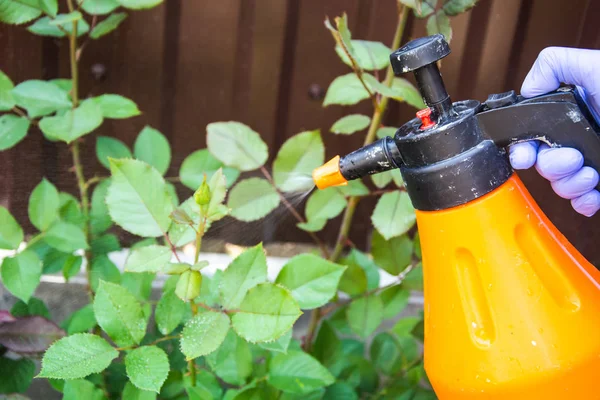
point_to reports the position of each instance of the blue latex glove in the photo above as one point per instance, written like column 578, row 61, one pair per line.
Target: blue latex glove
column 563, row 167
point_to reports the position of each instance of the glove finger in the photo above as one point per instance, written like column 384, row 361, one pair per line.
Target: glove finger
column 523, row 155
column 577, row 184
column 587, row 204
column 554, row 163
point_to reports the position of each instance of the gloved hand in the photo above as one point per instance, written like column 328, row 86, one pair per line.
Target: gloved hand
column 563, row 167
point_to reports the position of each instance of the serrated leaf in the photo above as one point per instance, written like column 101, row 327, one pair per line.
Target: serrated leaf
column 392, row 255
column 175, row 268
column 394, row 214
column 81, row 389
column 148, row 259
column 313, row 225
column 117, row 107
column 66, row 237
column 245, row 271
column 137, row 199
column 105, row 244
column 99, row 7
column 50, row 7
column 99, row 217
column 16, row 375
column 7, row 101
column 43, row 205
column 66, row 85
column 202, row 162
column 81, row 320
column 405, row 91
column 73, row 124
column 181, row 235
column 353, row 188
column 327, row 346
column 119, row 314
column 312, row 279
column 33, row 307
column 29, row 334
column 11, row 233
column 252, row 199
column 350, row 123
column 203, row 334
column 180, row 216
column 325, row 204
column 13, row 129
column 232, row 361
column 188, row 285
column 405, row 326
column 296, row 160
column 395, row 299
column 368, row 55
column 153, row 148
column 139, row 4
column 147, row 367
column 138, row 284
column 297, row 372
column 365, row 315
column 169, row 312
column 455, row 7
column 386, row 131
column 280, row 345
column 439, row 23
column 40, row 97
column 266, row 313
column 70, row 210
column 71, row 267
column 77, row 356
column 45, row 27
column 17, row 13
column 63, row 19
column 354, row 281
column 104, row 28
column 21, row 274
column 236, row 145
column 130, row 392
column 385, row 353
column 421, row 8
column 103, row 269
column 345, row 90
column 382, row 179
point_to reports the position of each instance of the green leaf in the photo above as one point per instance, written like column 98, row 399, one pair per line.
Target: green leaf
column 16, row 375
column 11, row 233
column 207, row 387
column 99, row 7
column 386, row 131
column 40, row 97
column 312, row 280
column 105, row 244
column 82, row 320
column 408, row 93
column 296, row 160
column 395, row 300
column 105, row 270
column 81, row 389
column 325, row 204
column 117, row 107
column 202, row 162
column 236, row 145
column 394, row 214
column 32, row 307
column 70, row 210
column 421, row 8
column 66, row 85
column 50, row 7
column 137, row 199
column 385, row 353
column 43, row 205
column 7, row 101
column 409, row 350
column 63, row 19
column 354, row 281
column 280, row 345
column 392, row 255
column 345, row 90
column 169, row 312
column 365, row 315
column 147, row 367
column 313, row 225
column 266, row 313
column 138, row 284
column 72, row 267
column 350, row 123
column 252, row 199
column 439, row 23
column 188, row 285
column 45, row 27
column 176, row 268
column 367, row 54
column 405, row 326
column 417, row 245
column 203, row 334
column 133, row 393
column 99, row 217
column 297, row 372
column 119, row 314
column 139, row 4
column 382, row 179
column 327, row 347
column 17, row 13
column 455, row 7
column 21, row 274
column 13, row 129
column 232, row 361
column 153, row 148
column 148, row 259
column 66, row 237
column 104, row 28
column 73, row 124
column 353, row 188
column 77, row 356
column 245, row 271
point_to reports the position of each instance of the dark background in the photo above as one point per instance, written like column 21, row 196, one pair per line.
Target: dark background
column 268, row 63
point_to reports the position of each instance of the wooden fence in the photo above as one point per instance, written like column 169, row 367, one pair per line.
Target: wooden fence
column 268, row 63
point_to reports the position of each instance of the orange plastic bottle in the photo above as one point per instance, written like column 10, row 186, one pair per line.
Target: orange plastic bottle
column 512, row 309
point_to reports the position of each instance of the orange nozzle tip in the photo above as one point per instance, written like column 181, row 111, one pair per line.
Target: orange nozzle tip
column 329, row 174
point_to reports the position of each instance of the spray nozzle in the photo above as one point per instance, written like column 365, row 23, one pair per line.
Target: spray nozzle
column 379, row 156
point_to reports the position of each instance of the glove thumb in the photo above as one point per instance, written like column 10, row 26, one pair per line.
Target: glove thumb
column 556, row 65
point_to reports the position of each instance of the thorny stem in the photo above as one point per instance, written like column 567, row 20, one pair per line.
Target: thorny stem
column 94, row 180
column 294, row 212
column 171, row 246
column 371, row 134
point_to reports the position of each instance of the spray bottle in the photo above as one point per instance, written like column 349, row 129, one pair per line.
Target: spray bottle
column 512, row 309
